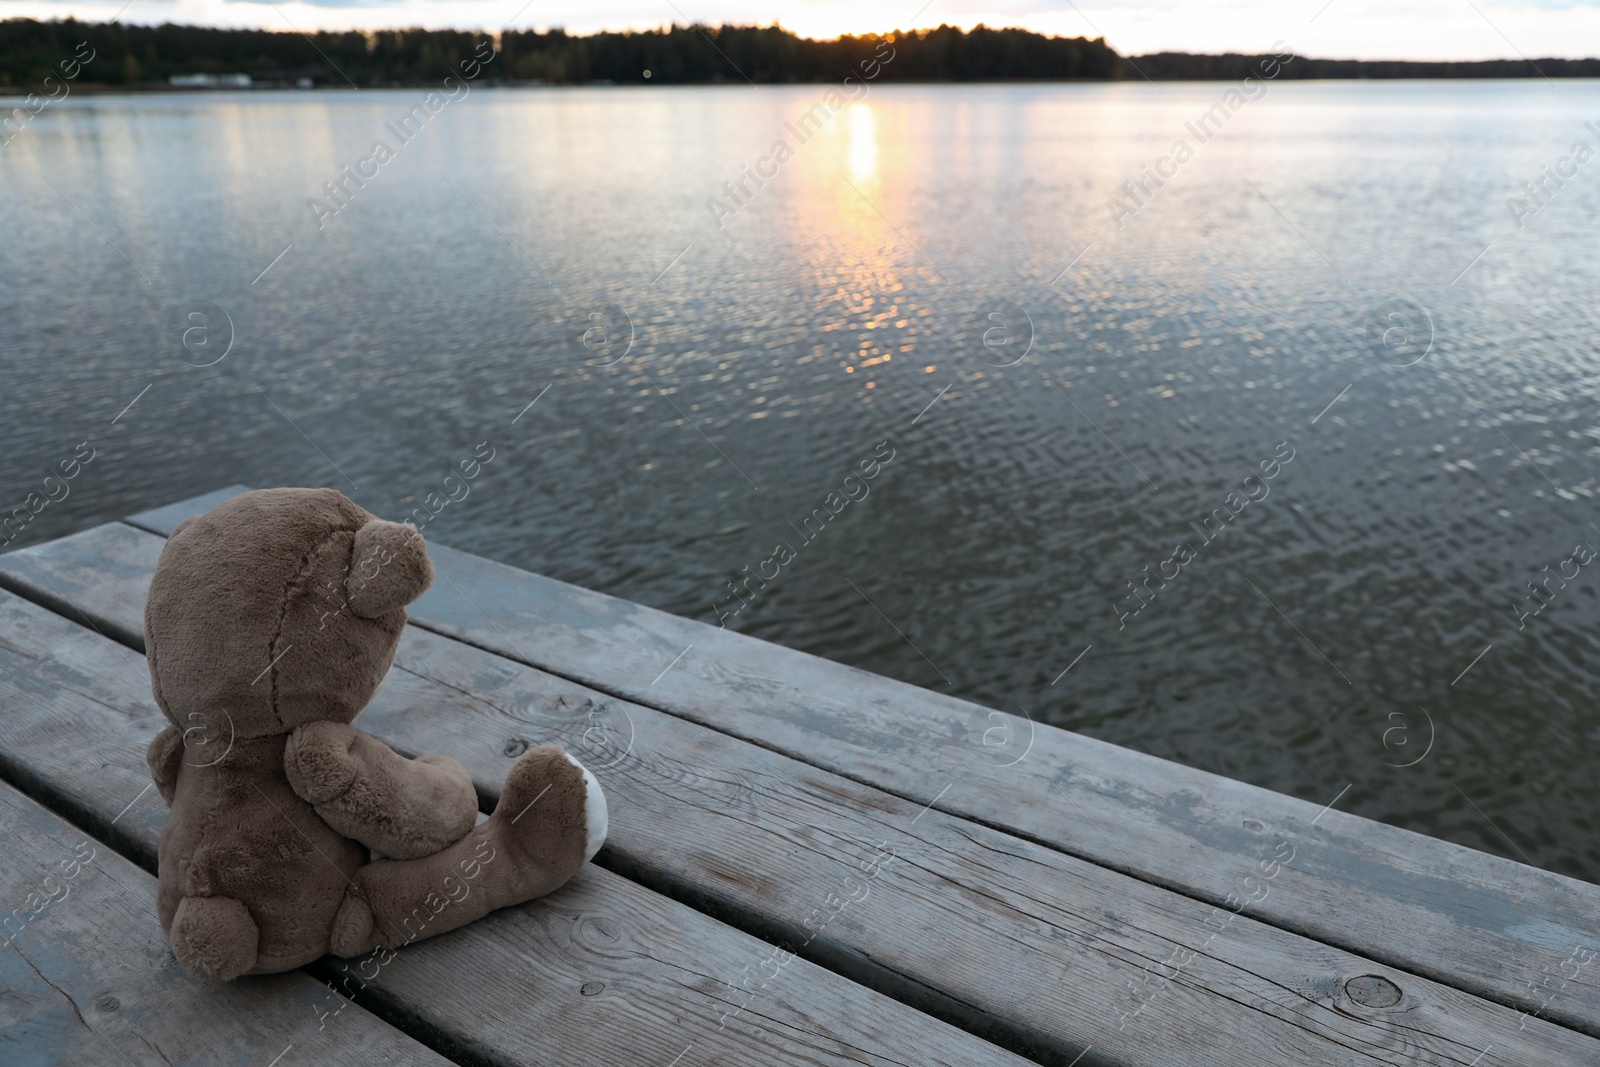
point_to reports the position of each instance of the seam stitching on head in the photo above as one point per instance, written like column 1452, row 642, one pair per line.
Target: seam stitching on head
column 283, row 613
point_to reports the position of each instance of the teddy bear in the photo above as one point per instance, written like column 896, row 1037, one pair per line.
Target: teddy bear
column 271, row 620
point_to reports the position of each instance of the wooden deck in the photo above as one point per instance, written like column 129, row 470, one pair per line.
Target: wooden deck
column 956, row 886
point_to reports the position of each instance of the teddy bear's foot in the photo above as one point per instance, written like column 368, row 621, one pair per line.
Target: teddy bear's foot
column 543, row 807
column 214, row 938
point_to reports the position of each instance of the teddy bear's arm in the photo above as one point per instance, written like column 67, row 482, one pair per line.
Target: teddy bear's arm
column 398, row 807
column 165, row 756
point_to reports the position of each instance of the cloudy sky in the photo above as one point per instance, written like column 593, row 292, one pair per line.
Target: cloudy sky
column 1414, row 29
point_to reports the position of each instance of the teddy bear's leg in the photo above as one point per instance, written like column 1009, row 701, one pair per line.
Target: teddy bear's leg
column 550, row 821
column 213, row 937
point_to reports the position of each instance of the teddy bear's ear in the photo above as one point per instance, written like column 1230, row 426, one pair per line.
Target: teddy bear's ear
column 389, row 568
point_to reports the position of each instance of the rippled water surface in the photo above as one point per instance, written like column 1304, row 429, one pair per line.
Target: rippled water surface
column 939, row 268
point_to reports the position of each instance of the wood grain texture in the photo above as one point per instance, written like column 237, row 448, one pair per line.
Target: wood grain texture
column 1043, row 951
column 602, row 971
column 88, row 980
column 1487, row 925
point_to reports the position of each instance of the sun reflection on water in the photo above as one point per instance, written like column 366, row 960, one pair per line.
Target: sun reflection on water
column 863, row 148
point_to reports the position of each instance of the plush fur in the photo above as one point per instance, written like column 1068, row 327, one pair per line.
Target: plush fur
column 271, row 621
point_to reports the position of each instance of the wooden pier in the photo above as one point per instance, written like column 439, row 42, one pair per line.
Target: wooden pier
column 807, row 864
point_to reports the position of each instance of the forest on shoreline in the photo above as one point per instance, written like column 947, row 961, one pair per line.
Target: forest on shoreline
column 146, row 57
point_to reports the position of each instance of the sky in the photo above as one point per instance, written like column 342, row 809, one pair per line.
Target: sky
column 1345, row 29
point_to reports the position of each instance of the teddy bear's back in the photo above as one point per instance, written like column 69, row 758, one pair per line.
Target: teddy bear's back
column 236, row 829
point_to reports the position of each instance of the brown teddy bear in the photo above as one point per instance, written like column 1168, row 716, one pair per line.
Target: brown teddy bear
column 272, row 619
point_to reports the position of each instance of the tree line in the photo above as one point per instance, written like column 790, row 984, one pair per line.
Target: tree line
column 696, row 54
column 131, row 56
column 1184, row 66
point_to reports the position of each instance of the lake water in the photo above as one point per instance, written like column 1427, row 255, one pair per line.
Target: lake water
column 705, row 378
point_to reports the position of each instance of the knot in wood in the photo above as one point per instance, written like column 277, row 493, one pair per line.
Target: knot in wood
column 1373, row 991
column 107, row 1002
column 514, row 747
column 591, row 988
column 604, row 935
column 580, row 705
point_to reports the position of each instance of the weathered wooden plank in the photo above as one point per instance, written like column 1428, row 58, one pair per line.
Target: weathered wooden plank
column 602, row 971
column 1084, row 955
column 161, row 520
column 1500, row 929
column 87, row 978
column 971, row 921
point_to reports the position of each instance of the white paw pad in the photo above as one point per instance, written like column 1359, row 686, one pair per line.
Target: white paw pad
column 594, row 810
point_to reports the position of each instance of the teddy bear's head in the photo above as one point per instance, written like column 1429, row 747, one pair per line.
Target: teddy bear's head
column 276, row 608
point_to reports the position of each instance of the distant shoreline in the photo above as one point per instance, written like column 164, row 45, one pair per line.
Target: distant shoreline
column 15, row 93
column 138, row 58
